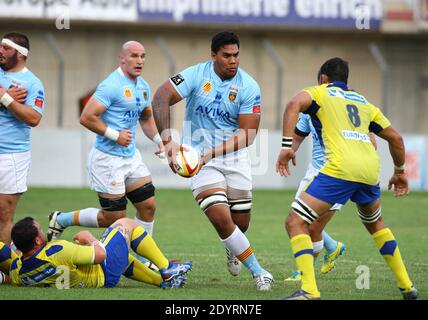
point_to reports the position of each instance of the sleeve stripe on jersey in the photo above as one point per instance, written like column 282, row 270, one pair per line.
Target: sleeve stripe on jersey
column 313, row 108
column 301, row 133
column 375, row 127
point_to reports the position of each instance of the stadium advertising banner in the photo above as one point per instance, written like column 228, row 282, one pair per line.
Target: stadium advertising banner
column 109, row 10
column 360, row 14
column 416, row 157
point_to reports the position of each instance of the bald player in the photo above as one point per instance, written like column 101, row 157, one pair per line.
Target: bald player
column 115, row 167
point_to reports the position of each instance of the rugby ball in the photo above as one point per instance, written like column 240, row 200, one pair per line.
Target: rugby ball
column 187, row 161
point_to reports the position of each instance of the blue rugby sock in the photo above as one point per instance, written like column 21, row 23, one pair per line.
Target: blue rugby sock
column 329, row 243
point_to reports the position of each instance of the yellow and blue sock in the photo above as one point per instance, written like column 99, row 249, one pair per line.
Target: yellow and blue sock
column 388, row 248
column 138, row 271
column 304, row 255
column 144, row 245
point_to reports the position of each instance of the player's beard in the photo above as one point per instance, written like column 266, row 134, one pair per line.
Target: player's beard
column 10, row 63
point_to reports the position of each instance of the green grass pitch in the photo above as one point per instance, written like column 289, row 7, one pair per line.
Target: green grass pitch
column 183, row 232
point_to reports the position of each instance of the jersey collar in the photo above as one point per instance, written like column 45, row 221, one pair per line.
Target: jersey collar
column 23, row 70
column 341, row 85
column 123, row 75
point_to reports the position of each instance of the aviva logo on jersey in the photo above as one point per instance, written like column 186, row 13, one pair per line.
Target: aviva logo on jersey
column 131, row 115
column 214, row 113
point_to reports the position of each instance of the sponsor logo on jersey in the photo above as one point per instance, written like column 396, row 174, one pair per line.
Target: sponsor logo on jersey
column 213, row 112
column 206, row 88
column 132, row 115
column 127, row 93
column 145, row 95
column 33, row 279
column 39, row 102
column 256, row 108
column 355, row 135
column 233, row 93
column 177, row 79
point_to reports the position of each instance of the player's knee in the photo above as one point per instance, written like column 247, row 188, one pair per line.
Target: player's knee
column 126, row 223
column 149, row 205
column 107, row 218
column 142, row 193
column 242, row 223
column 214, row 199
column 125, row 220
column 315, row 229
column 6, row 208
column 292, row 221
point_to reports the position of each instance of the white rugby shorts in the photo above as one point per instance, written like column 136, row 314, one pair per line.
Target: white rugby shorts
column 14, row 170
column 230, row 172
column 311, row 173
column 110, row 174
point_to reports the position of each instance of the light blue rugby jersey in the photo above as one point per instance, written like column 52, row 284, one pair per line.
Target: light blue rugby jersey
column 213, row 105
column 14, row 133
column 124, row 100
column 304, row 125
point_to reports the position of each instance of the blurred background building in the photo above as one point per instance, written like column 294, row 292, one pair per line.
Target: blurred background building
column 75, row 44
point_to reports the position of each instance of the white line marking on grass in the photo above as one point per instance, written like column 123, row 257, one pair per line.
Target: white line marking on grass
column 340, row 260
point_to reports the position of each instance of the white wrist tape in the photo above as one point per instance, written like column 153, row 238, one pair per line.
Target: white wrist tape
column 99, row 244
column 286, row 142
column 6, row 100
column 2, row 277
column 157, row 139
column 399, row 167
column 111, row 134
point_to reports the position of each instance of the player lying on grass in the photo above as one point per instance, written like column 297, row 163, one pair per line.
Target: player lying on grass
column 91, row 263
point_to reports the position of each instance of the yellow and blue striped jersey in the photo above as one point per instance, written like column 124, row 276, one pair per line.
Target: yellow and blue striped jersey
column 343, row 120
column 50, row 262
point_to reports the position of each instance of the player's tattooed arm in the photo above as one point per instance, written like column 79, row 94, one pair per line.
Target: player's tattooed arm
column 164, row 97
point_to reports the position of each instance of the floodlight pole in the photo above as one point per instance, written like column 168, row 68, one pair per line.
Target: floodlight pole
column 276, row 59
column 53, row 44
column 384, row 67
column 166, row 51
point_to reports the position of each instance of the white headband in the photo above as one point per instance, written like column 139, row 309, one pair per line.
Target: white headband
column 20, row 49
